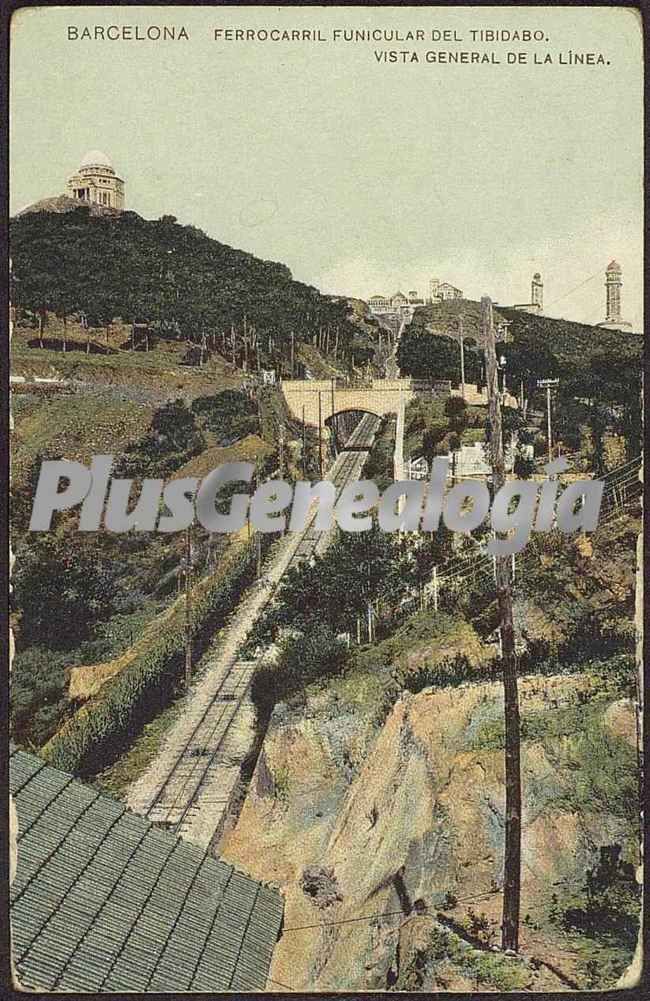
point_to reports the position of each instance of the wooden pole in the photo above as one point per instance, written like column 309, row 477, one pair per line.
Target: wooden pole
column 548, row 424
column 512, row 853
column 293, row 353
column 320, row 436
column 304, row 444
column 462, row 357
column 188, row 607
column 435, row 588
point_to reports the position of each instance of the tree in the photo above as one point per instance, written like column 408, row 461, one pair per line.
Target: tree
column 229, row 414
column 428, row 356
column 172, row 439
column 529, row 359
column 64, row 587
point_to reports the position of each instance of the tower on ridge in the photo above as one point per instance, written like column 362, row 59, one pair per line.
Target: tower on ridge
column 613, row 284
column 536, row 304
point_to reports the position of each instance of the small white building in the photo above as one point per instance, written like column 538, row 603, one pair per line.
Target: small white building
column 440, row 291
column 474, row 461
column 418, row 469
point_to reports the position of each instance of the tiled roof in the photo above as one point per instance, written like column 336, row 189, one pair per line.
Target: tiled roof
column 105, row 901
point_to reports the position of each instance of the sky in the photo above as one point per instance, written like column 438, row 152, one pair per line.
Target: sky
column 362, row 176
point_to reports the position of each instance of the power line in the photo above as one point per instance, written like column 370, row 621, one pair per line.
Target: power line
column 565, row 295
column 280, row 984
column 346, row 921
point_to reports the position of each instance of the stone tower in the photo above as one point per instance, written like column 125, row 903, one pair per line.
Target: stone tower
column 613, row 283
column 96, row 181
column 537, row 291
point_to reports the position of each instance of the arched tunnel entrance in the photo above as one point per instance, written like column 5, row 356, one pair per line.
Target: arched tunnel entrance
column 341, row 426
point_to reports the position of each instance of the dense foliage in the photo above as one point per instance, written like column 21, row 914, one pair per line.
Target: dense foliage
column 302, row 659
column 173, row 438
column 63, row 590
column 599, row 370
column 427, row 356
column 229, row 415
column 175, row 279
column 332, row 589
column 102, row 730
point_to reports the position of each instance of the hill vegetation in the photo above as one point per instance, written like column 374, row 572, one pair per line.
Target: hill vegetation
column 176, row 284
column 599, row 370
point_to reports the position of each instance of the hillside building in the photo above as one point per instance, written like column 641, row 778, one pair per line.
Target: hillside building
column 96, row 181
column 440, row 291
column 395, row 305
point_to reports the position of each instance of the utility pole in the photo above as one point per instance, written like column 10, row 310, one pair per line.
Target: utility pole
column 293, row 353
column 548, row 383
column 188, row 607
column 334, row 429
column 512, row 855
column 320, row 436
column 281, row 451
column 304, row 444
column 462, row 357
column 258, row 536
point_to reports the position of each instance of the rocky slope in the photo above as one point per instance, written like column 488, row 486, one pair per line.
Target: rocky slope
column 405, row 820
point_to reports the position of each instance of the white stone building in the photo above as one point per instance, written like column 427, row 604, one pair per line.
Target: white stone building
column 96, row 181
column 396, row 304
column 439, row 291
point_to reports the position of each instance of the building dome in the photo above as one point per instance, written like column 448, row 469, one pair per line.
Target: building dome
column 95, row 158
column 614, row 266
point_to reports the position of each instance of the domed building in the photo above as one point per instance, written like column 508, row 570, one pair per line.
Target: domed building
column 96, row 181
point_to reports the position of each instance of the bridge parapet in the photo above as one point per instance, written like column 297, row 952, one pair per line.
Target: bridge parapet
column 312, row 400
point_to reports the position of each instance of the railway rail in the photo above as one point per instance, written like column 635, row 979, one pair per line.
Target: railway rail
column 202, row 769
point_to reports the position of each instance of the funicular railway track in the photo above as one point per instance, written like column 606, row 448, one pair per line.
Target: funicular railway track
column 194, row 782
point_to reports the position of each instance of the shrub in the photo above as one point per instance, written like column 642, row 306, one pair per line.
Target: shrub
column 172, row 439
column 38, row 694
column 608, row 903
column 302, row 660
column 100, row 731
column 64, row 587
column 229, row 415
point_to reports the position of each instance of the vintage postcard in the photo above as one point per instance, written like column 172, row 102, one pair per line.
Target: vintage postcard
column 326, row 342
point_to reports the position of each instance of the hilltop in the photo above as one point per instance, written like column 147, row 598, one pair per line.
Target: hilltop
column 63, row 203
column 568, row 339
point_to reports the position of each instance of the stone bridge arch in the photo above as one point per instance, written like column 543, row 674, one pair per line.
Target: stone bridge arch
column 316, row 401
